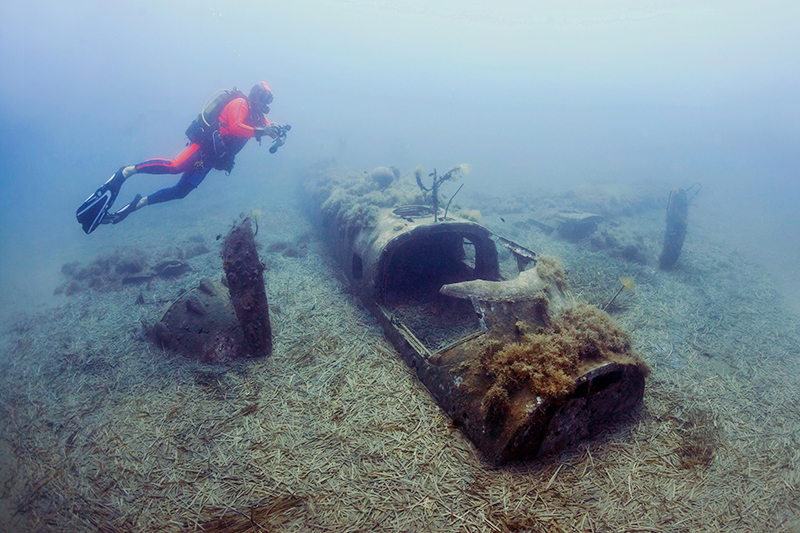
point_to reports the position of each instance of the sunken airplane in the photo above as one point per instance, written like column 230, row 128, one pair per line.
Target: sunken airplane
column 521, row 368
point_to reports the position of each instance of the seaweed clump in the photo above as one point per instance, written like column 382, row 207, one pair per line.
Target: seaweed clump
column 699, row 439
column 551, row 269
column 450, row 175
column 547, row 361
column 350, row 200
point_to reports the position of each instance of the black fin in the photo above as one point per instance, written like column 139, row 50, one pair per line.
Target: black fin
column 122, row 214
column 94, row 209
column 91, row 213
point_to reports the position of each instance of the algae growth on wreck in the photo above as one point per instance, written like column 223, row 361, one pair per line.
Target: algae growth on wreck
column 546, row 360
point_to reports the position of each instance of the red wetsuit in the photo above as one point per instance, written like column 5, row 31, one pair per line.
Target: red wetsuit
column 235, row 120
column 236, row 126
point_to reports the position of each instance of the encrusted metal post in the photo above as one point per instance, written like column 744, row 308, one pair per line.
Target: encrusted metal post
column 244, row 272
column 677, row 213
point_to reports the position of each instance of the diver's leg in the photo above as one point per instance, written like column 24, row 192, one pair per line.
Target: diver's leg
column 188, row 182
column 190, row 161
column 184, row 162
column 178, row 191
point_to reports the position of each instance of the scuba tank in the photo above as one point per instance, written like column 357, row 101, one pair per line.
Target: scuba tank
column 207, row 122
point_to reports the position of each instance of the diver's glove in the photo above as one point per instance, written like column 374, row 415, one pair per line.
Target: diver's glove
column 273, row 130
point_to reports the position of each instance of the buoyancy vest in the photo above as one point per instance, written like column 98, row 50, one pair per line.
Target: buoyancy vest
column 202, row 128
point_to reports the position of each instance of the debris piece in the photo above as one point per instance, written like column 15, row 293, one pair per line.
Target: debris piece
column 244, row 272
column 171, row 269
column 677, row 213
column 196, row 306
column 202, row 325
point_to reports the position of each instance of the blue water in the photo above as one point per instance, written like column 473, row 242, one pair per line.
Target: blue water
column 539, row 96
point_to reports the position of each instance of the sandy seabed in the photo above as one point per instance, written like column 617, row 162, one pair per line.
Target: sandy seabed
column 102, row 431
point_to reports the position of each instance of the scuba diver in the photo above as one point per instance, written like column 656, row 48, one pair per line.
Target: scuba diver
column 215, row 137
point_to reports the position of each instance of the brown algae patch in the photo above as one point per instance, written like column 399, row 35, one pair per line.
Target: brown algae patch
column 547, row 360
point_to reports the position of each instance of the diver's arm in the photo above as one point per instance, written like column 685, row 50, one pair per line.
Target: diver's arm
column 237, row 115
